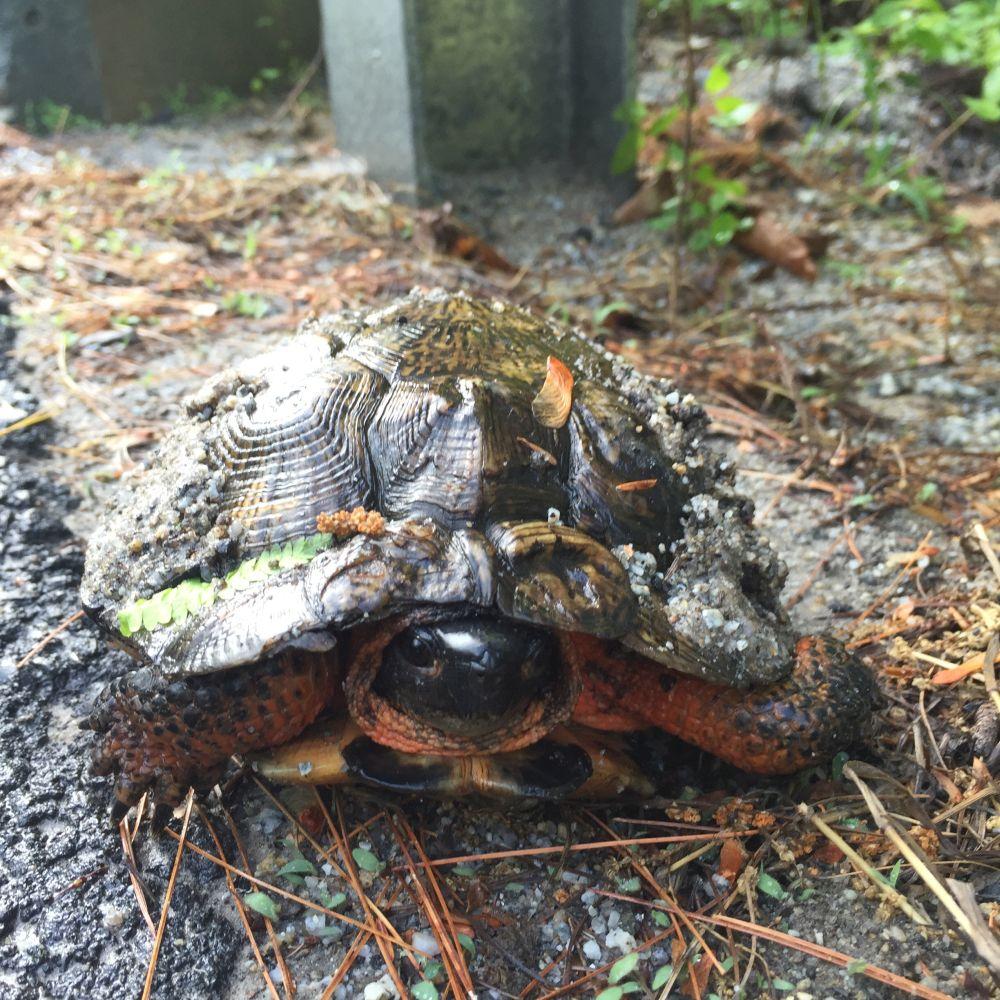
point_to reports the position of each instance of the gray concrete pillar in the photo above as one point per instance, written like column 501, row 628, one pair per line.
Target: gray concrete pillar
column 424, row 88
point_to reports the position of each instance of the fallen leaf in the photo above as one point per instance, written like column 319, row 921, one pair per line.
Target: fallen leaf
column 953, row 674
column 646, row 202
column 769, row 121
column 555, row 399
column 828, row 853
column 979, row 213
column 453, row 237
column 696, row 984
column 732, row 858
column 773, row 241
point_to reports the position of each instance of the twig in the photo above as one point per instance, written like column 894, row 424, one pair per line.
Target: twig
column 296, row 92
column 165, row 909
column 684, row 189
column 43, row 642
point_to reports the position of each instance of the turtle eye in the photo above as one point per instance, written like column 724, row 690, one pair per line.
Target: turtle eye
column 418, row 649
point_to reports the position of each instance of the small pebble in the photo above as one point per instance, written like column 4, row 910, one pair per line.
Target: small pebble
column 619, row 939
column 426, row 942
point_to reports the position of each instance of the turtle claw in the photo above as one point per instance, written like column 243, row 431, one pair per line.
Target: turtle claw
column 161, row 816
column 119, row 810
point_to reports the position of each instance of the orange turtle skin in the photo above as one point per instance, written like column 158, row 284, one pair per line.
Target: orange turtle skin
column 778, row 728
column 163, row 736
column 183, row 733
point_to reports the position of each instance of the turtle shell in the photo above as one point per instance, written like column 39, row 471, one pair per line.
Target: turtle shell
column 592, row 507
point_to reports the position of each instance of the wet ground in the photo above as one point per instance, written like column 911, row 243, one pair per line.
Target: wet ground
column 901, row 347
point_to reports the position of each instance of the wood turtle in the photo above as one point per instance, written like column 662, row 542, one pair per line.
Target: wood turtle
column 446, row 546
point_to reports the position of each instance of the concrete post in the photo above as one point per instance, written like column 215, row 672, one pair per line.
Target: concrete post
column 424, row 88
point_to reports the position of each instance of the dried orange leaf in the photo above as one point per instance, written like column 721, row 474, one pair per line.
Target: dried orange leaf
column 953, row 674
column 772, row 240
column 636, row 484
column 555, row 399
column 732, row 858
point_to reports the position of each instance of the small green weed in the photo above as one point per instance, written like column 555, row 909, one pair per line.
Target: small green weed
column 241, row 303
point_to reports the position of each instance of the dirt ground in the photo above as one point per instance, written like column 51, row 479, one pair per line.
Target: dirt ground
column 862, row 410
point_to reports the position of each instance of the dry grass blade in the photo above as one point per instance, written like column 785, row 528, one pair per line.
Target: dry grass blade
column 647, row 876
column 316, row 845
column 368, row 905
column 568, row 989
column 984, row 543
column 820, row 951
column 980, row 936
column 989, row 669
column 133, row 869
column 147, row 988
column 46, row 639
column 279, row 955
column 449, row 937
column 32, row 418
column 886, row 890
column 595, row 845
column 240, row 908
column 360, row 940
column 278, row 891
column 343, row 840
column 915, row 556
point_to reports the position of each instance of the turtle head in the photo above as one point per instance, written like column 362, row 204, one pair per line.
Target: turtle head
column 467, row 676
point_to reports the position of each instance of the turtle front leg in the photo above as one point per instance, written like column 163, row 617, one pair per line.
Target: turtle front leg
column 824, row 705
column 165, row 734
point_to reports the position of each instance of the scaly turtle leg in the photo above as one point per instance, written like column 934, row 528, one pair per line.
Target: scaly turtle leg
column 824, row 705
column 168, row 734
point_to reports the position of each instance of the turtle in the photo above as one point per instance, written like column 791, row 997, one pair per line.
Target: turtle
column 447, row 547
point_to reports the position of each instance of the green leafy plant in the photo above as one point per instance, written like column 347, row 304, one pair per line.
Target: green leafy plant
column 960, row 34
column 262, row 903
column 173, row 604
column 709, row 205
column 367, row 861
column 241, row 303
column 46, row 117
